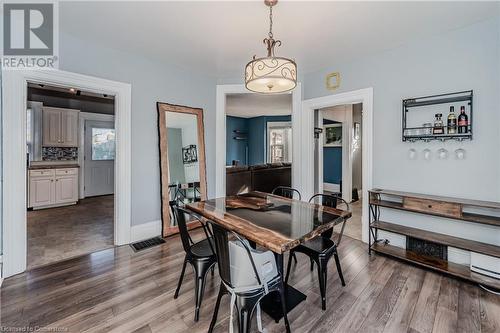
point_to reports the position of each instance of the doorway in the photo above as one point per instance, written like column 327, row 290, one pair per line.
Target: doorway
column 259, row 143
column 338, row 158
column 61, row 223
column 223, row 91
column 308, row 126
column 14, row 198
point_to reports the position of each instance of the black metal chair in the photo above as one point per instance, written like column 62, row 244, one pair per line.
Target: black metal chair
column 286, row 192
column 322, row 248
column 200, row 255
column 246, row 300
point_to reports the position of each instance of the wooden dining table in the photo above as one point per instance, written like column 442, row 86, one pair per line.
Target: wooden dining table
column 274, row 223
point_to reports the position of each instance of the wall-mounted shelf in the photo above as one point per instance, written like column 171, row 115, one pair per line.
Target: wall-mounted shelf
column 412, row 133
column 239, row 135
column 450, row 208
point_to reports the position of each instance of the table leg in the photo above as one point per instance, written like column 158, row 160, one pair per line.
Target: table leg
column 271, row 304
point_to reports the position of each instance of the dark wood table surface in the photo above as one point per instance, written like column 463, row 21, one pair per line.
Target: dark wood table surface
column 275, row 223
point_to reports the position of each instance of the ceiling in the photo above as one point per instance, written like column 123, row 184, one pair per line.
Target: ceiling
column 218, row 38
column 256, row 105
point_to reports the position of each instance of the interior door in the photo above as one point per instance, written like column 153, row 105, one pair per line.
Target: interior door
column 99, row 158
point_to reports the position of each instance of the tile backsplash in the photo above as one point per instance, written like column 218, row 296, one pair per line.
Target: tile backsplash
column 59, row 153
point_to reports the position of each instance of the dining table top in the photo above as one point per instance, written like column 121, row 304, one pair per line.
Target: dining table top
column 273, row 222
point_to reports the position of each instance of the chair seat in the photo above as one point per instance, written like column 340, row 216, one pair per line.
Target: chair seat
column 202, row 249
column 318, row 244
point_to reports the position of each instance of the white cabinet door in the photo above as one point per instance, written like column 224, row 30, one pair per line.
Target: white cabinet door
column 51, row 127
column 60, row 127
column 66, row 189
column 41, row 191
column 69, row 128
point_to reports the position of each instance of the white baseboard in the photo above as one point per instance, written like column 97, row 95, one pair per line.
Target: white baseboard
column 144, row 231
column 331, row 187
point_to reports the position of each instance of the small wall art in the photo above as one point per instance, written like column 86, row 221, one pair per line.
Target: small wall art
column 189, row 154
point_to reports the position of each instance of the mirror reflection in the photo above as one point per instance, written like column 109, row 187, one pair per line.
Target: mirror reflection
column 183, row 164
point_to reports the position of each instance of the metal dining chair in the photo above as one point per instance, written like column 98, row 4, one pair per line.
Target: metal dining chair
column 247, row 275
column 200, row 255
column 322, row 248
column 286, row 192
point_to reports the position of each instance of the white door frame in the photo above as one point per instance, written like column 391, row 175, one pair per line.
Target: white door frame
column 14, row 95
column 220, row 136
column 364, row 96
column 84, row 116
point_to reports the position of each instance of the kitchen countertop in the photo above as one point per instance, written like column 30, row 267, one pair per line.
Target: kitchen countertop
column 53, row 166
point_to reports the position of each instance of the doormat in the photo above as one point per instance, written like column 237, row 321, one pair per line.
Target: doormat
column 145, row 244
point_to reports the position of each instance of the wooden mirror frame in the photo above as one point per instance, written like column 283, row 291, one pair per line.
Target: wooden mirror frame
column 163, row 108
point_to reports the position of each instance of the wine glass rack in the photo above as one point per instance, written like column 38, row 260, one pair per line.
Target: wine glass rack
column 412, row 134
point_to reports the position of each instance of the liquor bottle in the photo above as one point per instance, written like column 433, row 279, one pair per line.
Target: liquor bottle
column 463, row 121
column 438, row 125
column 452, row 121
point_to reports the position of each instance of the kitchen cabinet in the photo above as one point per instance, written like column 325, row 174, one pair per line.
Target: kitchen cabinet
column 60, row 127
column 53, row 187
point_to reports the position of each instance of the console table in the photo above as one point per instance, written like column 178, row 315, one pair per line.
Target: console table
column 446, row 207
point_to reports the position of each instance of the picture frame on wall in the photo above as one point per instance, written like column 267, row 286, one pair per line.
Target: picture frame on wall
column 332, row 135
column 189, row 154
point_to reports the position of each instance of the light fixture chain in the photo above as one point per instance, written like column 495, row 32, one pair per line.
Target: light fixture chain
column 270, row 21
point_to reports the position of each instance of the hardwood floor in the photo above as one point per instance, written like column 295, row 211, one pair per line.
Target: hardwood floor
column 117, row 290
column 353, row 227
column 60, row 233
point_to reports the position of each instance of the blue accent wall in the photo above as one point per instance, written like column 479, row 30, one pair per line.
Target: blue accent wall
column 332, row 165
column 256, row 128
column 332, row 161
column 236, row 149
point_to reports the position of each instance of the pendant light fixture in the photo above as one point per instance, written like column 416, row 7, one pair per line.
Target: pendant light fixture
column 271, row 74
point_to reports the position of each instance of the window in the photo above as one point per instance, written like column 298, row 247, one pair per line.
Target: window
column 103, row 144
column 279, row 142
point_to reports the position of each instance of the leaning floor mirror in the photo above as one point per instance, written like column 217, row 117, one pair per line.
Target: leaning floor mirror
column 182, row 160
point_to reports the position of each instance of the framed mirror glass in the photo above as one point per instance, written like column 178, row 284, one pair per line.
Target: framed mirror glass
column 182, row 160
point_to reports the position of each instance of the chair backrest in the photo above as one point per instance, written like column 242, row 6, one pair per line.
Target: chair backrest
column 180, row 218
column 325, row 200
column 222, row 251
column 287, row 192
column 332, row 201
column 260, row 265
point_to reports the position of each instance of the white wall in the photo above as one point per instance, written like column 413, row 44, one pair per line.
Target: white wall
column 464, row 59
column 151, row 81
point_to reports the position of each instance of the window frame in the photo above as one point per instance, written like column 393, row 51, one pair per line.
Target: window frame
column 92, row 144
column 287, row 148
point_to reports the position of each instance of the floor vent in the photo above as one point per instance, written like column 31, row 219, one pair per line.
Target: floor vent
column 427, row 248
column 145, row 244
